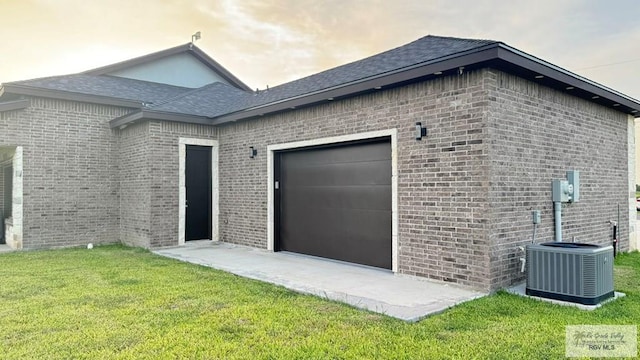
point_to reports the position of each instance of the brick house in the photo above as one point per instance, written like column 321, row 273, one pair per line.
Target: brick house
column 171, row 147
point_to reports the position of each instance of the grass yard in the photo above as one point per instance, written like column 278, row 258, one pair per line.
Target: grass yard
column 115, row 302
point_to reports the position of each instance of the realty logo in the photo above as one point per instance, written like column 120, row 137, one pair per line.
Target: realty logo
column 601, row 341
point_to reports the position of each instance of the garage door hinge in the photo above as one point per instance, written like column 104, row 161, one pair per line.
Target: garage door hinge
column 277, row 185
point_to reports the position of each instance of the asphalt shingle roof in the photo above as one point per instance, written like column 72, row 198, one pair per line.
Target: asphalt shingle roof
column 110, row 86
column 210, row 100
column 220, row 100
column 423, row 50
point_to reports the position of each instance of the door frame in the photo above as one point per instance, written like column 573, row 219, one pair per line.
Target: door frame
column 271, row 153
column 182, row 189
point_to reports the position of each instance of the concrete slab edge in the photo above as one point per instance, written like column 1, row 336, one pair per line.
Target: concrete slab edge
column 520, row 291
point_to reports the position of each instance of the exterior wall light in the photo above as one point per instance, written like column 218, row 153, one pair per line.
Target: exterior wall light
column 253, row 152
column 420, row 131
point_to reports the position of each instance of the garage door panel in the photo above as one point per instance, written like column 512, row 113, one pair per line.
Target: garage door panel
column 335, row 202
column 347, row 222
column 354, row 236
column 342, row 174
column 338, row 154
column 353, row 197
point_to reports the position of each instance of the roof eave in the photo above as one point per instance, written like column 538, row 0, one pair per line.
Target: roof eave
column 570, row 80
column 71, row 96
column 136, row 61
column 14, row 105
column 145, row 115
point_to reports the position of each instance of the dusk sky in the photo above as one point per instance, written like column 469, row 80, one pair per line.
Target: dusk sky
column 269, row 42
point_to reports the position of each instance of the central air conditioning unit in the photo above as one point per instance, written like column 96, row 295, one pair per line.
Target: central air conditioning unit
column 580, row 273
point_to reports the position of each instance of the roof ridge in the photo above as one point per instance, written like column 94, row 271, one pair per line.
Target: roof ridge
column 455, row 38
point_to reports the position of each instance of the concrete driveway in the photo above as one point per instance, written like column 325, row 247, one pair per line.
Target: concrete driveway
column 403, row 297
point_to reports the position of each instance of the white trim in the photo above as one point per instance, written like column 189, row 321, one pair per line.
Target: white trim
column 15, row 233
column 182, row 191
column 393, row 133
column 631, row 208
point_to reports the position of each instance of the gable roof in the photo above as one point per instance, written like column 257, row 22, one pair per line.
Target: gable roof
column 189, row 48
column 218, row 103
column 425, row 58
column 229, row 102
column 97, row 86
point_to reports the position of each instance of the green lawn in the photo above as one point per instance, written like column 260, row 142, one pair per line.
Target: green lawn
column 117, row 302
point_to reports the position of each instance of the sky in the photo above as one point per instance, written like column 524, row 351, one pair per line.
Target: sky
column 269, row 42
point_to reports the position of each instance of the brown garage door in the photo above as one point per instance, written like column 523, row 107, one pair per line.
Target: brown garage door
column 335, row 202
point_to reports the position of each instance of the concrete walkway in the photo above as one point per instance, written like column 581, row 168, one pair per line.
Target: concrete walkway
column 403, row 297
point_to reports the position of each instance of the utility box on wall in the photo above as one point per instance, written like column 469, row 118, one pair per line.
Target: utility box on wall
column 573, row 178
column 580, row 273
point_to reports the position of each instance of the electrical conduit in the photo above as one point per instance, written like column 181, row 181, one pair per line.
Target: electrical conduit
column 557, row 212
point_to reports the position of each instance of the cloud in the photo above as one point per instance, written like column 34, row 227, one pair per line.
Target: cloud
column 273, row 41
column 256, row 44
